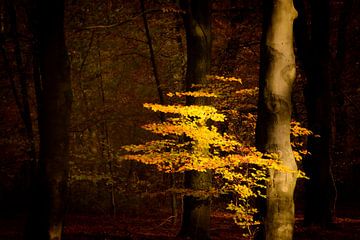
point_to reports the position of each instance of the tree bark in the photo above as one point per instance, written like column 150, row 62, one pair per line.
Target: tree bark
column 46, row 218
column 277, row 74
column 196, row 209
column 341, row 115
column 152, row 59
column 25, row 105
column 314, row 55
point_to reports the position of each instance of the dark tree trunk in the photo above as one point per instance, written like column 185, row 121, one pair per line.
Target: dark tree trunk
column 314, row 55
column 104, row 138
column 152, row 59
column 196, row 209
column 227, row 59
column 160, row 95
column 10, row 75
column 277, row 74
column 46, row 217
column 24, row 102
column 341, row 116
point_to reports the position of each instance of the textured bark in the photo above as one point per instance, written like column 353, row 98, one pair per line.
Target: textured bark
column 196, row 209
column 273, row 126
column 45, row 221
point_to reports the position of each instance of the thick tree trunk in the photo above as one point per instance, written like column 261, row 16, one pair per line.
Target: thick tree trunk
column 314, row 54
column 196, row 209
column 47, row 215
column 273, row 125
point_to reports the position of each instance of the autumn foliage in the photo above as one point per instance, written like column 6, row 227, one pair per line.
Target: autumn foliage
column 194, row 138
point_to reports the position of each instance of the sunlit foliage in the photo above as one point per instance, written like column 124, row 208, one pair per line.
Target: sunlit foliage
column 217, row 138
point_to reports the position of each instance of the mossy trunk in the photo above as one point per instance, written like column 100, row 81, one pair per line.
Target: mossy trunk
column 196, row 208
column 273, row 125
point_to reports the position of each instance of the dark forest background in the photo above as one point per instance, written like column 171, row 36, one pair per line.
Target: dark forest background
column 113, row 73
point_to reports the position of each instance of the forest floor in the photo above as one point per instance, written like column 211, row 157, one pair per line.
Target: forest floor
column 156, row 227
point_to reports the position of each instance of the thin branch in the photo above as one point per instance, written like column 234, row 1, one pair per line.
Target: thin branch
column 249, row 44
column 152, row 58
column 133, row 39
column 233, row 10
column 82, row 65
column 351, row 102
column 103, row 27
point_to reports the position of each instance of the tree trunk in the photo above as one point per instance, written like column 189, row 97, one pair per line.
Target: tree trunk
column 24, row 103
column 277, row 75
column 161, row 98
column 341, row 117
column 196, row 209
column 315, row 57
column 47, row 215
column 104, row 138
column 152, row 59
column 227, row 59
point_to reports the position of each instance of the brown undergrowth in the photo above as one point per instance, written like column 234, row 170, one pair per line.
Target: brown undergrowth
column 159, row 226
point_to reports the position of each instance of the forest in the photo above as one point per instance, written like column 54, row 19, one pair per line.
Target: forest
column 179, row 119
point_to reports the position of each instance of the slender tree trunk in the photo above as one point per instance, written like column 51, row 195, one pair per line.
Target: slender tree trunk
column 227, row 60
column 104, row 142
column 274, row 114
column 341, row 116
column 196, row 209
column 161, row 96
column 25, row 105
column 152, row 59
column 46, row 219
column 10, row 75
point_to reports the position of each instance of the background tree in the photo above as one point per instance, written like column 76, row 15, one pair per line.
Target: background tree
column 277, row 74
column 22, row 99
column 196, row 209
column 46, row 217
column 112, row 78
column 314, row 54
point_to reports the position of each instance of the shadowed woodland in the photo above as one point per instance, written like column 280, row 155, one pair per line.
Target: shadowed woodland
column 186, row 119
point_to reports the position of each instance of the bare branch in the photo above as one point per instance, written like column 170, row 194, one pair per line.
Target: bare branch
column 103, row 27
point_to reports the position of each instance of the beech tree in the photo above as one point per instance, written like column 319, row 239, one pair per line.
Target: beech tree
column 314, row 54
column 196, row 209
column 277, row 74
column 46, row 217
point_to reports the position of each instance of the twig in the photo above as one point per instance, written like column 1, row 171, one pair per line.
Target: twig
column 352, row 102
column 164, row 222
column 102, row 27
